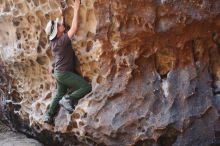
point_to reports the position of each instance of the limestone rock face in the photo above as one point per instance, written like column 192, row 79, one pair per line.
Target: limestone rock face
column 153, row 64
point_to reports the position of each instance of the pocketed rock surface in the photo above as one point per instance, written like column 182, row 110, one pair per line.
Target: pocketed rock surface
column 153, row 64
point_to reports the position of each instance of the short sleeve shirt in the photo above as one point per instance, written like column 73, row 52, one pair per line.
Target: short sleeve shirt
column 63, row 53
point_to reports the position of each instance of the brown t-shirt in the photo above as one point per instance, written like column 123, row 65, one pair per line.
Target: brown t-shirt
column 63, row 53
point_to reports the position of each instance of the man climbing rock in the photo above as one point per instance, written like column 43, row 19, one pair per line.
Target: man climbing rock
column 60, row 43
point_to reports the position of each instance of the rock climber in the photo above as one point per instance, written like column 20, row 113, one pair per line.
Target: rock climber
column 60, row 43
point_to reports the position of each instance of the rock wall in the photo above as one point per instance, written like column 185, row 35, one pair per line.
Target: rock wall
column 9, row 138
column 154, row 68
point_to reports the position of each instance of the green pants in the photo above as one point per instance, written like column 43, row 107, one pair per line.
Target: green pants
column 65, row 80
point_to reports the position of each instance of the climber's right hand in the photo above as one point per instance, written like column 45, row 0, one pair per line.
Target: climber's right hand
column 76, row 4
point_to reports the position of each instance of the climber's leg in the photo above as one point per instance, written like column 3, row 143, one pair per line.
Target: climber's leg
column 60, row 92
column 82, row 87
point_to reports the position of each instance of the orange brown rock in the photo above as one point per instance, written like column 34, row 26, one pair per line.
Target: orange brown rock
column 153, row 64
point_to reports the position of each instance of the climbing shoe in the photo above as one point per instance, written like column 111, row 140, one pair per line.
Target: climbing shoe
column 66, row 104
column 48, row 119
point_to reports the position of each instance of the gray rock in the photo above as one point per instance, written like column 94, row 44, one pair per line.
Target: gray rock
column 10, row 138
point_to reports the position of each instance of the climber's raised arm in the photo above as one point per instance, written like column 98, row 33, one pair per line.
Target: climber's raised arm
column 62, row 10
column 74, row 24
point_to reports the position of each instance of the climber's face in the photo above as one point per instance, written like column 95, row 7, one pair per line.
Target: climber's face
column 60, row 27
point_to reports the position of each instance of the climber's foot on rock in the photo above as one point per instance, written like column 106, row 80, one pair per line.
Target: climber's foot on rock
column 66, row 104
column 48, row 119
